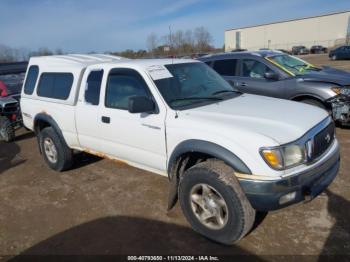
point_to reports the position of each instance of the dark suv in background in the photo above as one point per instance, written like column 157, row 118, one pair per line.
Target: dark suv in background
column 300, row 50
column 318, row 49
column 276, row 74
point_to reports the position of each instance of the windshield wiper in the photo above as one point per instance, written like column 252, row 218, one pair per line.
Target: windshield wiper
column 196, row 98
column 225, row 91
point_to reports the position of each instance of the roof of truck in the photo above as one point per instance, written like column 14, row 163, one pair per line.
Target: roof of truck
column 79, row 60
column 82, row 61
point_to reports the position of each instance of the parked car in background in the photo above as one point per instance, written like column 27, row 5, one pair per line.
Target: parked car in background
column 197, row 55
column 318, row 49
column 276, row 74
column 341, row 52
column 11, row 81
column 284, row 51
column 226, row 154
column 238, row 50
column 300, row 50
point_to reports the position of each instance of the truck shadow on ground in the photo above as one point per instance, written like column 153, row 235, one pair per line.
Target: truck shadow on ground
column 338, row 241
column 83, row 159
column 131, row 236
column 9, row 156
column 24, row 136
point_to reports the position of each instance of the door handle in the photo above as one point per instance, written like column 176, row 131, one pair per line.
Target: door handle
column 106, row 119
column 243, row 84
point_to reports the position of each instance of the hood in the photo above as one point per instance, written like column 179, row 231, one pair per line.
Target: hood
column 281, row 120
column 328, row 74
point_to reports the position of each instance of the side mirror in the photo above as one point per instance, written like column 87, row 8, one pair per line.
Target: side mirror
column 140, row 104
column 271, row 76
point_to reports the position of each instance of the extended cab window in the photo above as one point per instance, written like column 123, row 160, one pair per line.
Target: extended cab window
column 254, row 69
column 32, row 76
column 55, row 85
column 121, row 85
column 93, row 87
column 226, row 67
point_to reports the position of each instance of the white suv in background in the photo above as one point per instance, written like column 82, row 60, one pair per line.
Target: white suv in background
column 226, row 154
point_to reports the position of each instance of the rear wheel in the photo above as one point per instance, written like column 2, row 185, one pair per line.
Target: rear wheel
column 7, row 131
column 214, row 203
column 57, row 155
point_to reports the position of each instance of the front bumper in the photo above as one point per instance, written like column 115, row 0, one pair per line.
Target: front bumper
column 340, row 109
column 265, row 195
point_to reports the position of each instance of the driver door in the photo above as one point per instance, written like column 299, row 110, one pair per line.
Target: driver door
column 138, row 138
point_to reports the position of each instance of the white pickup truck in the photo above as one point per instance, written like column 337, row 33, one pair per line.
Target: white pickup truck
column 227, row 154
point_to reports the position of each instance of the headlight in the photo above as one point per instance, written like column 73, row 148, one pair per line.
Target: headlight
column 284, row 157
column 345, row 91
column 341, row 91
column 336, row 90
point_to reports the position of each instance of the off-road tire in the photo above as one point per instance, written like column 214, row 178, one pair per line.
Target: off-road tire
column 7, row 130
column 221, row 177
column 64, row 153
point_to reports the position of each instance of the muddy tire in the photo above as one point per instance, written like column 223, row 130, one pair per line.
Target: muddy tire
column 214, row 203
column 56, row 153
column 7, row 131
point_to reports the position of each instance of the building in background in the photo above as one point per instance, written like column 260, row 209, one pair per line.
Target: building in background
column 328, row 30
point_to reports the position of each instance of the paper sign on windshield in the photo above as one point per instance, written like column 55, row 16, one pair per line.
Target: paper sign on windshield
column 159, row 72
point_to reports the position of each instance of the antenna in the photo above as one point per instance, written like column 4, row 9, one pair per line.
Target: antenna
column 171, row 45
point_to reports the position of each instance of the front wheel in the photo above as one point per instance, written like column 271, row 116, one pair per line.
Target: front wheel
column 214, row 203
column 334, row 57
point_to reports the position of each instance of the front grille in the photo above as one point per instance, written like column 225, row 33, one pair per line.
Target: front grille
column 323, row 140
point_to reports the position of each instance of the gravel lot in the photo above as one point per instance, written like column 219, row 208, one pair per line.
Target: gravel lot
column 102, row 207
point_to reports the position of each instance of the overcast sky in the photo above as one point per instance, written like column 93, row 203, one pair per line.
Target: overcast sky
column 113, row 25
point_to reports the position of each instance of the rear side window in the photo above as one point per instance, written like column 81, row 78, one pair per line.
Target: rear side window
column 226, row 67
column 55, row 85
column 32, row 76
column 93, row 87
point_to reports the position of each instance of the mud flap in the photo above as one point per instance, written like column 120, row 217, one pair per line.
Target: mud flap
column 173, row 194
column 174, row 182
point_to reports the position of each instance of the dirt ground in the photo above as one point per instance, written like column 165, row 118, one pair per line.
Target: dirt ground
column 100, row 207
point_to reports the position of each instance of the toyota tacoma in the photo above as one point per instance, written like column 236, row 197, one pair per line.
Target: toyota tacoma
column 227, row 155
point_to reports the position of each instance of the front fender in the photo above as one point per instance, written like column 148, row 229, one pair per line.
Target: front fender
column 199, row 146
column 209, row 148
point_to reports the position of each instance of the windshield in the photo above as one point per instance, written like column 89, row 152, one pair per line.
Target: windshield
column 292, row 64
column 193, row 84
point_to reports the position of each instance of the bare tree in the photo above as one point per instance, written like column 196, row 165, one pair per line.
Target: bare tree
column 7, row 54
column 203, row 38
column 152, row 42
column 58, row 51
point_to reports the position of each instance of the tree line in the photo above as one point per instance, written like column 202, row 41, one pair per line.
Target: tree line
column 178, row 43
